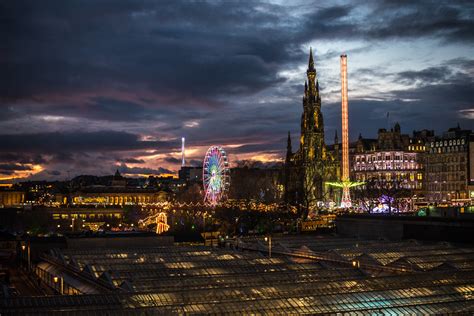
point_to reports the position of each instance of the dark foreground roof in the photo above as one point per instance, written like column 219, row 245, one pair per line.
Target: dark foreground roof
column 305, row 275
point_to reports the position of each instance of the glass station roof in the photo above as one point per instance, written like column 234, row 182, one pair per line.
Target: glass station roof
column 200, row 280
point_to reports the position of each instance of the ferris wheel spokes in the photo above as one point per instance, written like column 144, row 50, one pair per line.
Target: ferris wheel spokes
column 215, row 175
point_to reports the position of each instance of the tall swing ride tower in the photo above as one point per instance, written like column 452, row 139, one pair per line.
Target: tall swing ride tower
column 346, row 196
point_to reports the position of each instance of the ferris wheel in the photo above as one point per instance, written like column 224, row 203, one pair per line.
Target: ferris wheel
column 215, row 175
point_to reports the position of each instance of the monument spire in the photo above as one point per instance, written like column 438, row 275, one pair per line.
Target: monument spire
column 311, row 60
column 288, row 146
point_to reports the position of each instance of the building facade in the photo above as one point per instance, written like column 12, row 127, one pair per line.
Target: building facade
column 190, row 174
column 117, row 196
column 307, row 170
column 392, row 160
column 9, row 198
column 447, row 167
column 117, row 193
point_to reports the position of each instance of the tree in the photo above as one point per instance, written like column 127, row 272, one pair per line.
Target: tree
column 191, row 193
column 312, row 188
column 387, row 192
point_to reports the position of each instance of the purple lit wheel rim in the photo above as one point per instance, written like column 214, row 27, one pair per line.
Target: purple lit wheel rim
column 215, row 175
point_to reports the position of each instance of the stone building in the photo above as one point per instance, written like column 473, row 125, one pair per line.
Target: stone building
column 9, row 198
column 117, row 193
column 118, row 196
column 393, row 159
column 312, row 164
column 447, row 167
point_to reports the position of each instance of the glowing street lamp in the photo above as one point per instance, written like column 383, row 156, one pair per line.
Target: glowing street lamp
column 56, row 279
column 28, row 253
column 269, row 240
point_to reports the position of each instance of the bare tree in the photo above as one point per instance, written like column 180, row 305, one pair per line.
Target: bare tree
column 388, row 192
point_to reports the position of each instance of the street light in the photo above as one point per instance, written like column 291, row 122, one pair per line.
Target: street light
column 23, row 248
column 269, row 240
column 56, row 279
column 204, row 222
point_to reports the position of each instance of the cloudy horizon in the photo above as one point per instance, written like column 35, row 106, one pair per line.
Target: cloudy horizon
column 88, row 87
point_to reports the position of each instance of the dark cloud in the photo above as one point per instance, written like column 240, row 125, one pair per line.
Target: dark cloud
column 54, row 172
column 133, row 160
column 22, row 158
column 173, row 160
column 124, row 169
column 440, row 98
column 426, row 76
column 446, row 20
column 258, row 164
column 194, row 163
column 76, row 142
column 275, row 146
column 13, row 166
column 85, row 85
column 139, row 46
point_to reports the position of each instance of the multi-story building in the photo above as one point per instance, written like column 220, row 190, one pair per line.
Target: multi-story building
column 447, row 166
column 117, row 196
column 391, row 160
column 190, row 174
column 11, row 198
column 117, row 193
column 471, row 169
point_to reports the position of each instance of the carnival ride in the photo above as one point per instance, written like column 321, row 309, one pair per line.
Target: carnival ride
column 215, row 175
column 346, row 186
column 160, row 219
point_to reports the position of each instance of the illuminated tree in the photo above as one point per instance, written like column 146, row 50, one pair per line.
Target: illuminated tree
column 376, row 191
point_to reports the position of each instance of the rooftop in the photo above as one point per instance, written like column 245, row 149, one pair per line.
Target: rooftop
column 305, row 275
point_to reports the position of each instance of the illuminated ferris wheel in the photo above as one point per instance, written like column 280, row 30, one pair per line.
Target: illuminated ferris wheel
column 215, row 175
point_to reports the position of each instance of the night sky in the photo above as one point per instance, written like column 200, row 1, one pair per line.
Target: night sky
column 87, row 87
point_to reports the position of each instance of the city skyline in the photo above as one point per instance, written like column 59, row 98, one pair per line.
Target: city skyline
column 93, row 88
